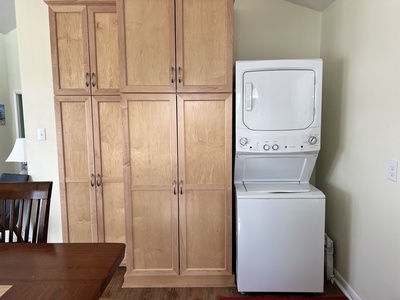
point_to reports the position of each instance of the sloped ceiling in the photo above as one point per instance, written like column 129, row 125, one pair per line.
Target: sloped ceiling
column 319, row 5
column 7, row 11
column 7, row 16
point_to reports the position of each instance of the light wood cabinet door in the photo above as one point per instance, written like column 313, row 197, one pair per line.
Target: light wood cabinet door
column 178, row 189
column 205, row 168
column 202, row 60
column 108, row 157
column 152, row 194
column 204, row 48
column 90, row 167
column 84, row 43
column 147, row 45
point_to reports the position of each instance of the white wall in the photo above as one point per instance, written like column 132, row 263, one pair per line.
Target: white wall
column 9, row 82
column 275, row 29
column 361, row 133
column 37, row 88
column 5, row 139
column 361, row 124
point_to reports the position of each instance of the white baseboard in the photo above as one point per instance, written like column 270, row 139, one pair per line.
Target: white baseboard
column 345, row 287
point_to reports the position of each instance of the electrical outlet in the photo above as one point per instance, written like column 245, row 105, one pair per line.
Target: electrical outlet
column 392, row 170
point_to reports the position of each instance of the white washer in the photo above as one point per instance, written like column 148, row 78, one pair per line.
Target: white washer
column 280, row 217
column 280, row 237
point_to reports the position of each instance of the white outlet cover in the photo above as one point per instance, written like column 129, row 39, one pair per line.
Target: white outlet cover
column 392, row 170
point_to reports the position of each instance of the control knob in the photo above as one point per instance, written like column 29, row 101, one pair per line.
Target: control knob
column 266, row 147
column 312, row 140
column 275, row 147
column 243, row 141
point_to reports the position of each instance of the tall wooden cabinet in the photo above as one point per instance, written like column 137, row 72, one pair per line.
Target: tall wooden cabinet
column 176, row 84
column 88, row 118
column 152, row 166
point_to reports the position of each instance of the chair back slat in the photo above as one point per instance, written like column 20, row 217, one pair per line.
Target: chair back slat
column 24, row 211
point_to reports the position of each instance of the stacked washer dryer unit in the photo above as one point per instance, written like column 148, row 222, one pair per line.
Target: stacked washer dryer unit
column 280, row 216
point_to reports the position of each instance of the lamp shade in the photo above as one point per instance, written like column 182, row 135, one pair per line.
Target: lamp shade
column 18, row 153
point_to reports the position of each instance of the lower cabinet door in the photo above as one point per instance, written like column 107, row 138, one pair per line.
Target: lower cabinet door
column 90, row 164
column 178, row 191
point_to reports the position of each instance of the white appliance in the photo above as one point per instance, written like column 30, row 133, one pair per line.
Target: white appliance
column 280, row 217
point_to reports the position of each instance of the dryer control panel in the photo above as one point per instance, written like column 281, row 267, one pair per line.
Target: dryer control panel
column 278, row 144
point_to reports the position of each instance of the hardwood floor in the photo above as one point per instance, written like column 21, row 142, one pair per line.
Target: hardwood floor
column 116, row 292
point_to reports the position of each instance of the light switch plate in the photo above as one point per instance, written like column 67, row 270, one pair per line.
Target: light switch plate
column 41, row 134
column 392, row 170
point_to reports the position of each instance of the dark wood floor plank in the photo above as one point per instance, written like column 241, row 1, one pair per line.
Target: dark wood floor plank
column 115, row 291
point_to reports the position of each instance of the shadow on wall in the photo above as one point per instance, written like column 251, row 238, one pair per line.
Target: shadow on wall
column 339, row 204
column 332, row 120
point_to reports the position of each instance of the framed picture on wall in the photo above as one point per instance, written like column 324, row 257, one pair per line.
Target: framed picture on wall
column 2, row 115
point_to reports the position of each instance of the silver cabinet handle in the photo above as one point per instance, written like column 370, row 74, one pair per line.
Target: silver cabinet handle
column 181, row 187
column 179, row 75
column 174, row 187
column 92, row 179
column 93, row 80
column 87, row 79
column 172, row 74
column 98, row 179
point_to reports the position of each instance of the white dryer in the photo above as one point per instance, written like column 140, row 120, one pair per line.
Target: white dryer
column 280, row 217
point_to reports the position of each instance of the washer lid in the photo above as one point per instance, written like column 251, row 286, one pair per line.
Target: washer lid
column 277, row 187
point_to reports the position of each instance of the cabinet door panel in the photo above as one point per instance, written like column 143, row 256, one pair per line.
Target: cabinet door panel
column 80, row 223
column 75, row 166
column 151, row 146
column 204, row 137
column 152, row 231
column 147, row 45
column 113, row 213
column 70, row 54
column 107, row 134
column 151, row 204
column 205, row 230
column 205, row 167
column 204, row 45
column 104, row 64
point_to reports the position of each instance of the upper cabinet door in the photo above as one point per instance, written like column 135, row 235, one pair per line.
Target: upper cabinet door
column 70, row 55
column 84, row 41
column 103, row 46
column 202, row 60
column 147, row 45
column 204, row 45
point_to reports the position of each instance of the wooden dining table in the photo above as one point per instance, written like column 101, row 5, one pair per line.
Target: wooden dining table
column 72, row 271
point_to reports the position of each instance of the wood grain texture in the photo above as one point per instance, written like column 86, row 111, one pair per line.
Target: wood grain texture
column 58, row 271
column 205, row 208
column 69, row 48
column 104, row 61
column 115, row 292
column 108, row 156
column 204, row 45
column 148, row 48
column 91, row 169
column 152, row 207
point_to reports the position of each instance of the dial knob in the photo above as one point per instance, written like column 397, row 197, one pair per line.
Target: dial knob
column 266, row 147
column 312, row 140
column 275, row 147
column 243, row 141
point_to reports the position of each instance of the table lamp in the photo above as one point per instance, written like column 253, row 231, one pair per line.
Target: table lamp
column 18, row 154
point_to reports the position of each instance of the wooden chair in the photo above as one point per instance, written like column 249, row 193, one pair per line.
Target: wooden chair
column 24, row 211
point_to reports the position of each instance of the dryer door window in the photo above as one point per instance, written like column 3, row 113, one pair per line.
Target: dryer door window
column 278, row 99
